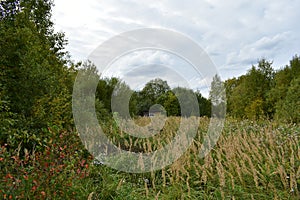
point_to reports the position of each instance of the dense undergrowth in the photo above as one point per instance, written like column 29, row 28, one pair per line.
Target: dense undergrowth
column 252, row 160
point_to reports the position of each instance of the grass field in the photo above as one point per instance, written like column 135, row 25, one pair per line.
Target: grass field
column 252, row 160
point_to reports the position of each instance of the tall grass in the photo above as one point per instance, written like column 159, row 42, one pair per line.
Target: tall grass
column 252, row 160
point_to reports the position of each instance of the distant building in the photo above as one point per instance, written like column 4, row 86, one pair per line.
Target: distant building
column 152, row 113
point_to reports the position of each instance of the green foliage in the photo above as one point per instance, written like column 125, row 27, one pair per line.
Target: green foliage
column 154, row 92
column 231, row 88
column 7, row 122
column 284, row 107
column 177, row 102
column 255, row 109
column 247, row 95
column 217, row 97
column 204, row 105
column 171, row 104
column 105, row 90
column 264, row 93
column 35, row 84
column 120, row 100
column 54, row 172
column 289, row 108
column 188, row 102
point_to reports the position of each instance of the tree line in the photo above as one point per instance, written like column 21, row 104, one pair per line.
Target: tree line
column 265, row 93
column 156, row 91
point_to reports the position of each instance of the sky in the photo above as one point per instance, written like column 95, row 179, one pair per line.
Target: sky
column 234, row 34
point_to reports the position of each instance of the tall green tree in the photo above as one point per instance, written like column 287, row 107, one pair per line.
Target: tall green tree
column 152, row 94
column 282, row 82
column 171, row 104
column 204, row 105
column 247, row 95
column 105, row 90
column 121, row 100
column 288, row 109
column 217, row 96
column 35, row 79
column 188, row 101
column 230, row 87
column 236, row 99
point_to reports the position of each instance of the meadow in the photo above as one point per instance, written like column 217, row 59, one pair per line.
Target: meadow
column 251, row 160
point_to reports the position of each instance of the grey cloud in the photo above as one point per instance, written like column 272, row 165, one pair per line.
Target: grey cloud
column 264, row 47
column 234, row 33
column 152, row 70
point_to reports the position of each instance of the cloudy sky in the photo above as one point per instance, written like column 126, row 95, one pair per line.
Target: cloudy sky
column 234, row 34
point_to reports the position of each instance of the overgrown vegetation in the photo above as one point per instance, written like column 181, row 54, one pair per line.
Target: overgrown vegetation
column 42, row 157
column 264, row 93
column 252, row 160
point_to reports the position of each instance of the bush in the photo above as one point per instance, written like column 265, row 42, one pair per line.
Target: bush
column 54, row 172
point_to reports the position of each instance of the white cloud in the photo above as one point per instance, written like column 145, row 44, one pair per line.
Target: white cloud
column 139, row 67
column 265, row 47
column 235, row 34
